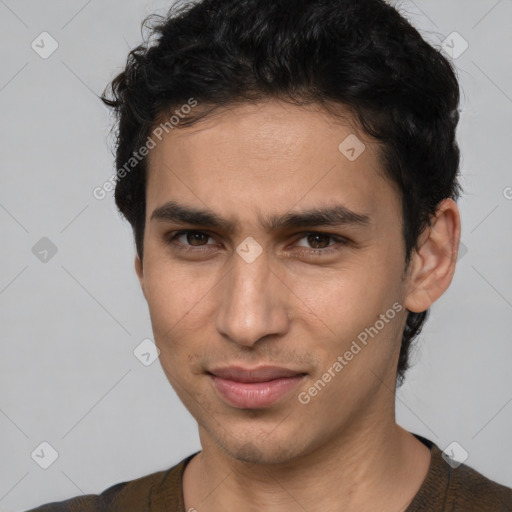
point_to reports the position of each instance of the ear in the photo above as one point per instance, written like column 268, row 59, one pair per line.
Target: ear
column 139, row 270
column 433, row 263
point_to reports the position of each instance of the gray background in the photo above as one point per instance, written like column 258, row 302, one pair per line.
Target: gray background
column 69, row 325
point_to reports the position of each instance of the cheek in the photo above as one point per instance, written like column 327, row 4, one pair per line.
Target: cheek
column 177, row 299
column 177, row 317
column 336, row 307
column 345, row 296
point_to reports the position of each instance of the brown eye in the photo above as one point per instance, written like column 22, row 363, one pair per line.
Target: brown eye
column 196, row 238
column 318, row 240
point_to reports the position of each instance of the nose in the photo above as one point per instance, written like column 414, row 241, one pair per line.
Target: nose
column 252, row 303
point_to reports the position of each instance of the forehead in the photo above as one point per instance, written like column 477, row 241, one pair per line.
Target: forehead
column 269, row 156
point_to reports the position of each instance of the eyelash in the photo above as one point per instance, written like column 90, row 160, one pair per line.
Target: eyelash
column 171, row 238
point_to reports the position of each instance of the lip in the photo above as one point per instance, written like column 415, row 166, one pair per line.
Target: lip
column 256, row 388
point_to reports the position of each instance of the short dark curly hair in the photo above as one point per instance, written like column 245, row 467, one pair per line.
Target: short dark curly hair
column 362, row 55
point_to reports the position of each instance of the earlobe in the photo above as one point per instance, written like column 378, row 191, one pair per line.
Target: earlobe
column 433, row 263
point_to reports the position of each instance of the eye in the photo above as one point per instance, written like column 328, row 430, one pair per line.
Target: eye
column 317, row 240
column 193, row 238
column 318, row 244
column 189, row 241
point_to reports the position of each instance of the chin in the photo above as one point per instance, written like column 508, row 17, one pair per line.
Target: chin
column 264, row 451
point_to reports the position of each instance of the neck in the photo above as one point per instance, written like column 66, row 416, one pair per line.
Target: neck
column 380, row 467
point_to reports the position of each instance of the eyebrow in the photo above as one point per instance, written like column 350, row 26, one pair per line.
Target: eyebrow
column 337, row 215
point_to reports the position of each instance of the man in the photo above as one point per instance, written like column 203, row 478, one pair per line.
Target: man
column 289, row 169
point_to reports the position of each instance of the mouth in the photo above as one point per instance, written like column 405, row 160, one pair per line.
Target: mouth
column 256, row 388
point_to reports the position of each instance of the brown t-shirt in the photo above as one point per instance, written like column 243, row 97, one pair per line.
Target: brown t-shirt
column 444, row 490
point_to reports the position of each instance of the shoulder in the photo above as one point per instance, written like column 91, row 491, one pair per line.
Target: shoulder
column 136, row 492
column 134, row 495
column 470, row 490
column 454, row 487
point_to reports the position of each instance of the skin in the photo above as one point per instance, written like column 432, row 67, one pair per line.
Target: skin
column 209, row 307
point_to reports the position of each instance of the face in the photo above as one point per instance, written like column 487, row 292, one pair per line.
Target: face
column 273, row 269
